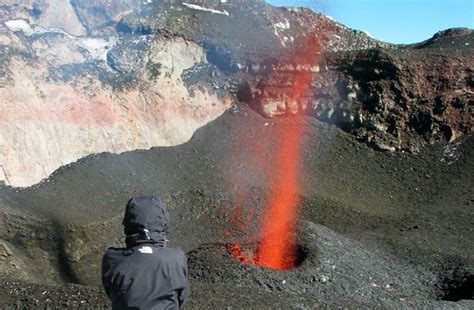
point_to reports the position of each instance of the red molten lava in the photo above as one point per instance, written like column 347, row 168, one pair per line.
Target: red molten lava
column 276, row 246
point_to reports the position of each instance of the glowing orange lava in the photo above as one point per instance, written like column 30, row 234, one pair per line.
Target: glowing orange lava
column 276, row 246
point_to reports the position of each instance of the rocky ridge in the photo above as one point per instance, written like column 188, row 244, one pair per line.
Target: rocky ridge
column 392, row 98
column 83, row 77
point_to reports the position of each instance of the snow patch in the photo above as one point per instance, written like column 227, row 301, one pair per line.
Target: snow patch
column 280, row 27
column 369, row 34
column 97, row 47
column 201, row 8
column 282, row 41
column 283, row 25
column 20, row 25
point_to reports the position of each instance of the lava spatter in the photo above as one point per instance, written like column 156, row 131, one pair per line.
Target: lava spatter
column 275, row 246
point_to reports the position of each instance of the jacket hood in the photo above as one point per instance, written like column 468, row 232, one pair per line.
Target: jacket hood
column 146, row 219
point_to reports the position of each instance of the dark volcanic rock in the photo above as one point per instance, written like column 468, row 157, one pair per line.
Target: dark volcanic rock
column 375, row 229
column 400, row 98
column 391, row 97
column 396, row 98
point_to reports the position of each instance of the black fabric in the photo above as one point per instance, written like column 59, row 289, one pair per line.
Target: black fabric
column 158, row 239
column 134, row 278
column 146, row 212
column 146, row 274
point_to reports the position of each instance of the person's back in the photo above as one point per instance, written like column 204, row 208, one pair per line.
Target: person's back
column 146, row 274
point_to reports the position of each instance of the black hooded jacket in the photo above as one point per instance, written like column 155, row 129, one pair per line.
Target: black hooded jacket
column 146, row 274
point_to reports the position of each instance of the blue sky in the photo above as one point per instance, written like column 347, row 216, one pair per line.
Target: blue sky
column 395, row 21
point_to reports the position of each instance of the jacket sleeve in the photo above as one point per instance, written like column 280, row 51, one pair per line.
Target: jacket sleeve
column 184, row 292
column 106, row 274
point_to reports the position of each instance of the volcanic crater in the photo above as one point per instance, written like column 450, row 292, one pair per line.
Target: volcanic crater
column 370, row 143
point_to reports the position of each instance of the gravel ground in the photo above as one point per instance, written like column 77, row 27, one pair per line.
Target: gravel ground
column 379, row 230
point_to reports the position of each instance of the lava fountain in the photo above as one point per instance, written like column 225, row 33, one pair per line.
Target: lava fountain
column 277, row 243
column 276, row 246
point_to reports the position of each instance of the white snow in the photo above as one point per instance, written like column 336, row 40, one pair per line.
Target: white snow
column 97, row 47
column 201, row 8
column 369, row 34
column 20, row 25
column 329, row 17
column 283, row 25
column 278, row 36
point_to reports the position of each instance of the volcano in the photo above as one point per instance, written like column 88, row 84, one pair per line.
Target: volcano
column 304, row 164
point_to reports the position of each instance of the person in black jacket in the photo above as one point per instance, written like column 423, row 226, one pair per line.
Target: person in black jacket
column 146, row 274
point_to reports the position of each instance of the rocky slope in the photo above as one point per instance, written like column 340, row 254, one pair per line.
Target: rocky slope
column 376, row 228
column 66, row 94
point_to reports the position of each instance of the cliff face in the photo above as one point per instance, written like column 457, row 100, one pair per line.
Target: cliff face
column 83, row 77
column 69, row 89
column 398, row 98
